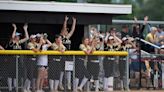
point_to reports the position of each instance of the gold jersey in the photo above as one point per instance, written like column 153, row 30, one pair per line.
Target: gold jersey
column 58, row 47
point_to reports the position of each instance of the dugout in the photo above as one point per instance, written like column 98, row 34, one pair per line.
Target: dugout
column 49, row 16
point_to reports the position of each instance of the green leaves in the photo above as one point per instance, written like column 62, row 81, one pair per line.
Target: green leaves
column 154, row 9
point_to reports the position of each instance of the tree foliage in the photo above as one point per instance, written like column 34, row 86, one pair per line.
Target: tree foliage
column 154, row 9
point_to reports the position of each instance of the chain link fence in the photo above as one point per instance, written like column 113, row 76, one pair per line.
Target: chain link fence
column 146, row 72
column 15, row 70
column 102, row 73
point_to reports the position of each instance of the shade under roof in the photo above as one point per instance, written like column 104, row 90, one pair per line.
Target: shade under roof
column 54, row 12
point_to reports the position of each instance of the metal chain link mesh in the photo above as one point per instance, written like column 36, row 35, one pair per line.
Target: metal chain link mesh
column 27, row 69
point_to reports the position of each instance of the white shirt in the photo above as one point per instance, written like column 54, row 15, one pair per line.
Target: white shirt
column 133, row 54
column 42, row 60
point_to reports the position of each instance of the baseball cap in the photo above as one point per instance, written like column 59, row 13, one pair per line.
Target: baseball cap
column 162, row 47
column 17, row 34
column 131, row 38
column 111, row 37
column 124, row 38
column 38, row 35
column 33, row 36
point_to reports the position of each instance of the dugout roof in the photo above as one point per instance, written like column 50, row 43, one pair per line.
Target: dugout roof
column 54, row 12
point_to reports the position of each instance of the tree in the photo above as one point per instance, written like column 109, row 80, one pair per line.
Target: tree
column 154, row 9
column 135, row 10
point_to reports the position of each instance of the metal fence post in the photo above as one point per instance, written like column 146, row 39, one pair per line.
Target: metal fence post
column 65, row 78
column 17, row 58
column 127, row 72
column 74, row 83
column 87, row 85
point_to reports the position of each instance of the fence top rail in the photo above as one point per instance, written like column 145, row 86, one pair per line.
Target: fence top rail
column 50, row 52
column 155, row 46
